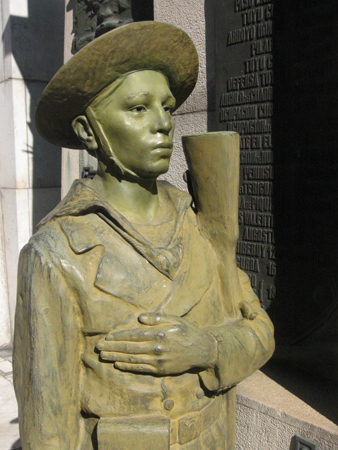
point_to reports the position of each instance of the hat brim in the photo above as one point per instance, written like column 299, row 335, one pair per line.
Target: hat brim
column 137, row 46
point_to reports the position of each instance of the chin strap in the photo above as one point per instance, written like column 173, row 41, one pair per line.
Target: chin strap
column 104, row 143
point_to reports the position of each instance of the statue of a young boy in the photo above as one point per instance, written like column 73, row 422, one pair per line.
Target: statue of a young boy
column 120, row 324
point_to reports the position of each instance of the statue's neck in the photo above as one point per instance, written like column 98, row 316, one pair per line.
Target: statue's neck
column 136, row 199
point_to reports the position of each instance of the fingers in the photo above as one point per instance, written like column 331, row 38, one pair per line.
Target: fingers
column 126, row 358
column 140, row 368
column 132, row 348
column 137, row 335
column 135, row 363
column 146, row 334
column 143, row 352
column 157, row 318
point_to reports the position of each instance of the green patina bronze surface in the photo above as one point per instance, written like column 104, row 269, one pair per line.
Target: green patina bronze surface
column 133, row 323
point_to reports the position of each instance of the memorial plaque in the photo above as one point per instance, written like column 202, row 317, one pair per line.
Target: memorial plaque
column 244, row 95
column 276, row 84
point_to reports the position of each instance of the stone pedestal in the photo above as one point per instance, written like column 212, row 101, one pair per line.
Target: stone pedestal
column 269, row 417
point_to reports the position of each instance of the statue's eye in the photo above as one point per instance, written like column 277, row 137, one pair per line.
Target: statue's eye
column 138, row 108
column 168, row 109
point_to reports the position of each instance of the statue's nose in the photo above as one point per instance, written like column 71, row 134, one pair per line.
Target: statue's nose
column 163, row 121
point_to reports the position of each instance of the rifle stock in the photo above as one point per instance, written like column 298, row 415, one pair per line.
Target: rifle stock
column 213, row 163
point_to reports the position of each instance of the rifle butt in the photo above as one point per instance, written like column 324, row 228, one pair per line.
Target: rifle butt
column 213, row 163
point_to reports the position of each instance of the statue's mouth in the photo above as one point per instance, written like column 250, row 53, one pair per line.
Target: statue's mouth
column 166, row 144
column 164, row 151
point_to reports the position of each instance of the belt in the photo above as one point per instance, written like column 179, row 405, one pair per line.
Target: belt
column 152, row 431
column 190, row 426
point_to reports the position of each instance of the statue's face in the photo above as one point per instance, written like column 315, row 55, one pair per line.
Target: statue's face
column 138, row 124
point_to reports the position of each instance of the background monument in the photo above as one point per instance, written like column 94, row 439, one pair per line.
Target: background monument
column 276, row 85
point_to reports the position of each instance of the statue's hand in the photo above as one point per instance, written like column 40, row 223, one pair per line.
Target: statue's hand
column 163, row 345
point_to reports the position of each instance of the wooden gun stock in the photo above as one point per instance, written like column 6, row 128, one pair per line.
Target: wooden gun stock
column 213, row 162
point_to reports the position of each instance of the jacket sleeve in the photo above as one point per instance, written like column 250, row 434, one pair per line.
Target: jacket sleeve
column 242, row 347
column 46, row 359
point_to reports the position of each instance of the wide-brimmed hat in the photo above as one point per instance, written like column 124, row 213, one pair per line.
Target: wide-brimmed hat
column 137, row 46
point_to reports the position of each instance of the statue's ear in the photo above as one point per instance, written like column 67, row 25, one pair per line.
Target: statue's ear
column 84, row 132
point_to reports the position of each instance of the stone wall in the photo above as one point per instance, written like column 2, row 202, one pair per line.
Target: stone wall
column 191, row 117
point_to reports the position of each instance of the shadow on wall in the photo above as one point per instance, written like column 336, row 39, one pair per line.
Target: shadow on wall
column 306, row 166
column 36, row 42
column 16, row 445
column 304, row 137
column 306, row 190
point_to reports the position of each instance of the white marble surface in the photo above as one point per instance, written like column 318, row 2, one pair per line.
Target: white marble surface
column 7, row 153
column 190, row 17
column 32, row 30
column 5, row 329
column 31, row 51
column 9, row 428
column 192, row 123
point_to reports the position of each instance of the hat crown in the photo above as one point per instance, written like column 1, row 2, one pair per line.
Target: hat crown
column 137, row 46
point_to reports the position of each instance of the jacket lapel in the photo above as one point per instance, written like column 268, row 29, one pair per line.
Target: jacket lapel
column 130, row 268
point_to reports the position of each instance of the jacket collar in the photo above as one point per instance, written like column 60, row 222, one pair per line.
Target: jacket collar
column 82, row 199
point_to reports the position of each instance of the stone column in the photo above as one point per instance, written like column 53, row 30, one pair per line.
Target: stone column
column 32, row 42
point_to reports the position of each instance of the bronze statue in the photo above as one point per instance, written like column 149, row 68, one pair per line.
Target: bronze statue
column 130, row 331
column 91, row 18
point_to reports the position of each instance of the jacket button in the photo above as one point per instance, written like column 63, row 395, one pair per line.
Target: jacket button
column 169, row 404
column 199, row 393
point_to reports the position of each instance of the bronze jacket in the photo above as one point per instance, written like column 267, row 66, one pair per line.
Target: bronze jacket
column 87, row 272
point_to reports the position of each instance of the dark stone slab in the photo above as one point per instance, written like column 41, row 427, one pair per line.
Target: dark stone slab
column 275, row 83
column 244, row 91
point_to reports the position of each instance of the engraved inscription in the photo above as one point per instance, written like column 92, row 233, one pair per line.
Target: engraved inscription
column 248, row 264
column 258, row 235
column 245, row 106
column 257, row 172
column 255, row 203
column 256, row 219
